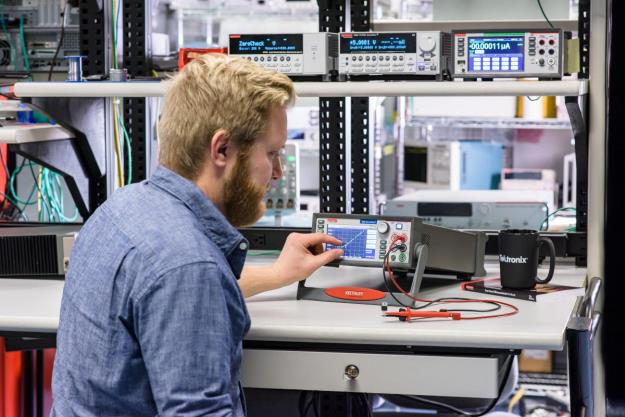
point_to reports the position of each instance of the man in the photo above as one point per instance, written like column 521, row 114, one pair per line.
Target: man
column 152, row 316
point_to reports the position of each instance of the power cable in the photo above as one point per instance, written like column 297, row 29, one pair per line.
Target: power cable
column 544, row 14
column 447, row 300
column 58, row 47
column 465, row 413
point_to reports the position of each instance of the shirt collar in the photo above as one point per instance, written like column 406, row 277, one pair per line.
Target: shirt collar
column 225, row 236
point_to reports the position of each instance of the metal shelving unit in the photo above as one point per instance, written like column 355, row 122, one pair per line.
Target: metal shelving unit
column 39, row 132
column 489, row 123
column 568, row 88
column 448, row 25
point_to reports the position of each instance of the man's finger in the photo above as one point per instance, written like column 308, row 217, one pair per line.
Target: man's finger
column 327, row 257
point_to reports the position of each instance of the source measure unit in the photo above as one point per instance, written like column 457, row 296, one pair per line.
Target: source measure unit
column 403, row 244
column 494, row 54
column 294, row 54
column 367, row 239
column 394, row 53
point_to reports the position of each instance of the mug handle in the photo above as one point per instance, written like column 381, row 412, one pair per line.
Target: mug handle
column 552, row 259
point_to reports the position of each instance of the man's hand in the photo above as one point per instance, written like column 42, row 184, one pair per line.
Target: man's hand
column 301, row 255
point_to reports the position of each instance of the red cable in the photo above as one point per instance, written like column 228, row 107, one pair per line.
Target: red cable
column 514, row 308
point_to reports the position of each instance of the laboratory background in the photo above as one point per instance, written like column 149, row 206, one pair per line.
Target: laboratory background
column 467, row 153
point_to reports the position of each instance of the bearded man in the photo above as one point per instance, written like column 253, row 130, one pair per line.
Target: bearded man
column 153, row 312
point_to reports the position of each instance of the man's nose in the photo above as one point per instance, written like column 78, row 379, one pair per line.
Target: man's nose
column 277, row 169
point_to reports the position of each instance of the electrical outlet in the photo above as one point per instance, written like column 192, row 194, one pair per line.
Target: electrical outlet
column 258, row 241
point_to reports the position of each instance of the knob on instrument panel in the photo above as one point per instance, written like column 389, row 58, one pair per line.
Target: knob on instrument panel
column 427, row 43
column 383, row 227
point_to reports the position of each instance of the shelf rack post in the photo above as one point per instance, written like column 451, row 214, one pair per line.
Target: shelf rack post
column 92, row 40
column 360, row 19
column 136, row 38
column 332, row 149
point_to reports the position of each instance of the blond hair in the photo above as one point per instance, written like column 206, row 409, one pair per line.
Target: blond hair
column 215, row 92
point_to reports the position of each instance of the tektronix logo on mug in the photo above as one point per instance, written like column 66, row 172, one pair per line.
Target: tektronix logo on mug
column 510, row 260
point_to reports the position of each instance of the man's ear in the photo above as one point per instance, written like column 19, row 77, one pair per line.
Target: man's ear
column 221, row 148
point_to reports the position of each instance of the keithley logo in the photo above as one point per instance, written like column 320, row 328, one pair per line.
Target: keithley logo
column 354, row 293
column 510, row 260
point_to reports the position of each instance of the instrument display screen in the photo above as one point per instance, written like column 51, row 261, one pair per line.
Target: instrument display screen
column 358, row 241
column 367, row 240
column 496, row 53
column 266, row 44
column 378, row 42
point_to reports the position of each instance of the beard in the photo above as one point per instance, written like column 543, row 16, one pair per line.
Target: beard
column 243, row 199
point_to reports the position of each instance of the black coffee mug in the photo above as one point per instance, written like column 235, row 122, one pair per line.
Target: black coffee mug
column 518, row 258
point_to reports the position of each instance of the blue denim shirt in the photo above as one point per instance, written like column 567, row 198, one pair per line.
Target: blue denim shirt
column 152, row 317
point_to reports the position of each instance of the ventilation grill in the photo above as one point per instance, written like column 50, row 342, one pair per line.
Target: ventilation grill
column 333, row 49
column 28, row 255
column 447, row 45
column 71, row 41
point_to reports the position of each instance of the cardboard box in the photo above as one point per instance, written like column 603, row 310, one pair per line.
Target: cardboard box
column 536, row 361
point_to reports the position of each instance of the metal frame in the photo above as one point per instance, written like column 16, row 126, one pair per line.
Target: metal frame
column 360, row 156
column 580, row 133
column 333, row 155
column 74, row 159
column 92, row 37
column 612, row 327
column 93, row 47
column 583, row 29
column 344, row 184
column 137, row 60
column 332, row 145
column 360, row 130
column 580, row 333
column 577, row 108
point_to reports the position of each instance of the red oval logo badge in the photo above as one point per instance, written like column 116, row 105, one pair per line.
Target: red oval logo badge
column 354, row 293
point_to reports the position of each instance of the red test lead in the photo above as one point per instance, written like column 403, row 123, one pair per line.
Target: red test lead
column 407, row 314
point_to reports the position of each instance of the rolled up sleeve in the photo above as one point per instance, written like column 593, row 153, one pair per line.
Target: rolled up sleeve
column 186, row 342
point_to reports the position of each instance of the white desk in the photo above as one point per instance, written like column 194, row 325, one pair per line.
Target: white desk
column 388, row 351
column 278, row 316
column 307, row 344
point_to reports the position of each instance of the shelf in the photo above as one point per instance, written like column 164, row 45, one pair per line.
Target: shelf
column 323, row 89
column 90, row 89
column 443, row 88
column 41, row 132
column 449, row 25
column 488, row 123
column 12, row 106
